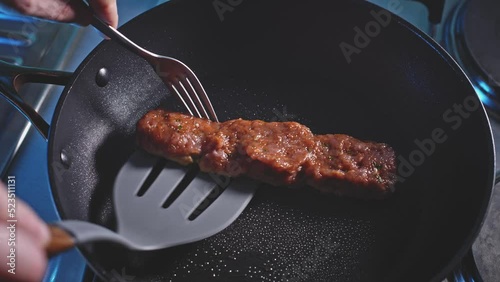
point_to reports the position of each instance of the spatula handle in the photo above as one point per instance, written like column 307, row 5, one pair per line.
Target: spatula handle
column 60, row 241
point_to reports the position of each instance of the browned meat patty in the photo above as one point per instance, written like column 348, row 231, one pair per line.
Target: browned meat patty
column 279, row 153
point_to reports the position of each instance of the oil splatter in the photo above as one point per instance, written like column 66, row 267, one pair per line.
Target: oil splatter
column 273, row 243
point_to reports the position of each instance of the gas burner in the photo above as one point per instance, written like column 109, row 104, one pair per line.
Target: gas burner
column 472, row 36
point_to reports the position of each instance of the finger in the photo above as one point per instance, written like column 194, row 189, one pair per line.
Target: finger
column 29, row 220
column 26, row 218
column 21, row 258
column 106, row 10
column 57, row 10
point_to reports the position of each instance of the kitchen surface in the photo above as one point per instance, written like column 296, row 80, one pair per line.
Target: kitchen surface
column 470, row 32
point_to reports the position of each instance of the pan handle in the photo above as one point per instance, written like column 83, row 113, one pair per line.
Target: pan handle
column 12, row 77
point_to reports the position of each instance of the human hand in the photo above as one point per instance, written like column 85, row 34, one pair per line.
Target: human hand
column 22, row 243
column 67, row 10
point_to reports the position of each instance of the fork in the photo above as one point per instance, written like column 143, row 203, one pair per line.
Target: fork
column 178, row 77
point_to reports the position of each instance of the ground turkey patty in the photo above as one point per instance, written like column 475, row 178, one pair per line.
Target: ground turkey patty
column 279, row 153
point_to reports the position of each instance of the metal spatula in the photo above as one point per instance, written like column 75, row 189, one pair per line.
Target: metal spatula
column 141, row 192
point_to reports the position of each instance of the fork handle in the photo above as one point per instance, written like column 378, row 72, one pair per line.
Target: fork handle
column 60, row 241
column 115, row 35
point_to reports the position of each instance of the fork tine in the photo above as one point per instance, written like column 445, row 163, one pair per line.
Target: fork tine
column 200, row 91
column 189, row 97
column 178, row 90
column 196, row 98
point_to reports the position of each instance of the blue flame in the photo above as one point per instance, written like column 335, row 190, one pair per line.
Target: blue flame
column 12, row 42
column 484, row 86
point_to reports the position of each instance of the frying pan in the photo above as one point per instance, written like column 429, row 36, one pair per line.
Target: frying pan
column 335, row 66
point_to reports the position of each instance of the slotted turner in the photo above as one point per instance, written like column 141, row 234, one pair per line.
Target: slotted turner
column 145, row 223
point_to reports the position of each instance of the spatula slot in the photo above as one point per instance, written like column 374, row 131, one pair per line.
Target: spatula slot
column 153, row 174
column 188, row 178
column 209, row 199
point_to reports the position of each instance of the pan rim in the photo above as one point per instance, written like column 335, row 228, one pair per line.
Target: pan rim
column 472, row 234
column 479, row 222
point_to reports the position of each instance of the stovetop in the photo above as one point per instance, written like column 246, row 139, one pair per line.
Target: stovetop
column 23, row 152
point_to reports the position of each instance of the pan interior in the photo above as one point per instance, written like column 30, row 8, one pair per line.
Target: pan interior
column 283, row 61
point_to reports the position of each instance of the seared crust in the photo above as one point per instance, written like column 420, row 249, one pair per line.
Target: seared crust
column 279, row 153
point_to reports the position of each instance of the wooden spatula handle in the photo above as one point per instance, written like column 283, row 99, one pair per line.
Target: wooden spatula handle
column 60, row 241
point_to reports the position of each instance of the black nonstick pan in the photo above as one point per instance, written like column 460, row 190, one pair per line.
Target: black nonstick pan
column 336, row 66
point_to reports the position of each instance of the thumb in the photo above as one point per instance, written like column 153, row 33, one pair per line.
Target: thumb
column 106, row 10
